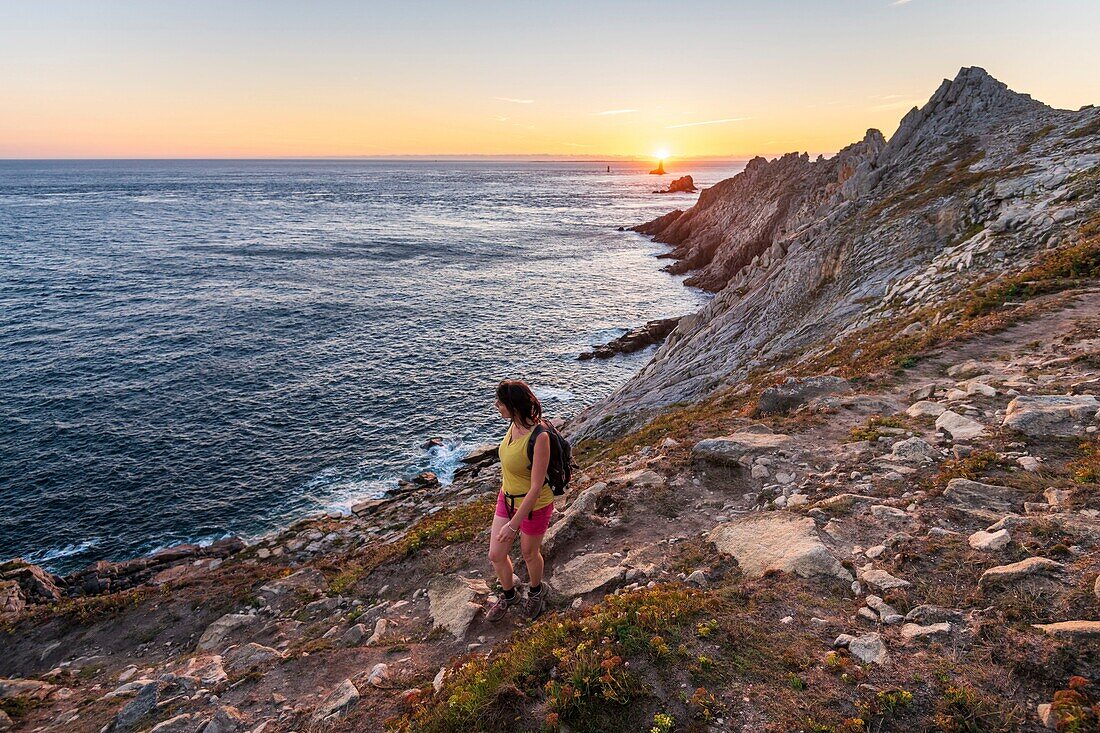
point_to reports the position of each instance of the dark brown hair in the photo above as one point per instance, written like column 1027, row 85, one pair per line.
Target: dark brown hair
column 521, row 402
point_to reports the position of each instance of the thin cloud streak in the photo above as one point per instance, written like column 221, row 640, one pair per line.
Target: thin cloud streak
column 605, row 113
column 708, row 122
column 901, row 2
column 515, row 101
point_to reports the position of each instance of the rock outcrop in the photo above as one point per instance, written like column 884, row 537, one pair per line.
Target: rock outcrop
column 635, row 339
column 684, row 184
column 801, row 252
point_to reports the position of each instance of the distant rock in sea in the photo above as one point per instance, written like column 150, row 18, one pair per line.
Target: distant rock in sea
column 634, row 340
column 659, row 170
column 683, row 184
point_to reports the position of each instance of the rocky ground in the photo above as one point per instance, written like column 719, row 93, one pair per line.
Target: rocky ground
column 894, row 528
column 898, row 549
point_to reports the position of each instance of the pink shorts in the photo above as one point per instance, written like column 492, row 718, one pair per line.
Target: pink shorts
column 535, row 524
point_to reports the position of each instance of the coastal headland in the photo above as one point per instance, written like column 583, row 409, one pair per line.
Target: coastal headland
column 859, row 490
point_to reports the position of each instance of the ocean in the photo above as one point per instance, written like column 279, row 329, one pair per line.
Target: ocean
column 194, row 349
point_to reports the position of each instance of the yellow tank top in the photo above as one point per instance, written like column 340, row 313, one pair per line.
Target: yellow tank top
column 516, row 471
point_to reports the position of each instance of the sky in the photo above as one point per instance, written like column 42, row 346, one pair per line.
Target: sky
column 269, row 78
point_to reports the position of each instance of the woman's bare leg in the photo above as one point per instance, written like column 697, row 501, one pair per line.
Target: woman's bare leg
column 498, row 555
column 531, row 546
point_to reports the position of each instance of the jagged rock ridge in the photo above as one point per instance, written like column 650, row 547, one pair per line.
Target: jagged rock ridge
column 978, row 180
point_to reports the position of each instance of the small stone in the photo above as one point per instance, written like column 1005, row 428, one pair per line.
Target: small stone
column 869, row 648
column 989, row 541
column 888, row 513
column 1029, row 463
column 916, row 631
column 380, row 627
column 1071, row 629
column 379, row 673
column 882, row 579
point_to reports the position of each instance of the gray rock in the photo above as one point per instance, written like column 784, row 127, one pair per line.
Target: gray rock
column 869, row 648
column 990, row 541
column 967, row 369
column 1017, row 571
column 776, row 541
column 913, row 450
column 587, row 573
column 882, row 579
column 453, row 604
column 337, row 703
column 731, row 449
column 916, row 631
column 183, row 723
column 963, row 492
column 217, row 635
column 1050, row 415
column 958, row 426
column 354, row 635
column 139, row 707
column 889, row 513
column 226, row 720
column 244, row 657
column 795, row 392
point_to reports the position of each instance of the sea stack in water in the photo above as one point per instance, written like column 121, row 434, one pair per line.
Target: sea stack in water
column 683, row 184
column 659, row 170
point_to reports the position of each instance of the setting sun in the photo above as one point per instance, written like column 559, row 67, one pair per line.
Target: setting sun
column 660, row 154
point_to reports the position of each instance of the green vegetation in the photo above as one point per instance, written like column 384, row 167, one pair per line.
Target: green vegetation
column 1086, row 469
column 576, row 665
column 872, row 430
column 972, row 467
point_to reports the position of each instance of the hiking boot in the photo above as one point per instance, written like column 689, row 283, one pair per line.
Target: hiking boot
column 535, row 605
column 500, row 607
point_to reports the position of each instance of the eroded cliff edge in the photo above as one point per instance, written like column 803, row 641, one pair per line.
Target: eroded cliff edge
column 979, row 181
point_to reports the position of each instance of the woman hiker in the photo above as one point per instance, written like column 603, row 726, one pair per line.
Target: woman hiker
column 525, row 502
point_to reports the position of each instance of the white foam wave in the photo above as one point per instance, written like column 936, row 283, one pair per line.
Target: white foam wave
column 554, row 393
column 56, row 553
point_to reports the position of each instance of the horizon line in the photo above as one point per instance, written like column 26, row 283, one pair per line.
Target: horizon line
column 545, row 157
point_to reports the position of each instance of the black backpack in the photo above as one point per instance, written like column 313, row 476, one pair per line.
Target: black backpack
column 560, row 468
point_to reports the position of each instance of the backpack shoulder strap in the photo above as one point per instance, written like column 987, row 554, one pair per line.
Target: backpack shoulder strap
column 539, row 428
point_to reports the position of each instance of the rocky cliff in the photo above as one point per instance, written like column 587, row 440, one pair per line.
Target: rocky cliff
column 875, row 505
column 981, row 180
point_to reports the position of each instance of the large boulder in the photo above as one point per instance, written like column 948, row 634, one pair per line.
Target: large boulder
column 958, row 426
column 1051, row 415
column 337, row 703
column 775, row 541
column 969, row 494
column 246, row 656
column 795, row 392
column 36, row 584
column 12, row 600
column 570, row 523
column 452, row 604
column 217, row 635
column 587, row 573
column 1014, row 572
column 731, row 449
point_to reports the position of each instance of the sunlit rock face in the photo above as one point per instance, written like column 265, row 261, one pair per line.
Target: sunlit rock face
column 979, row 180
